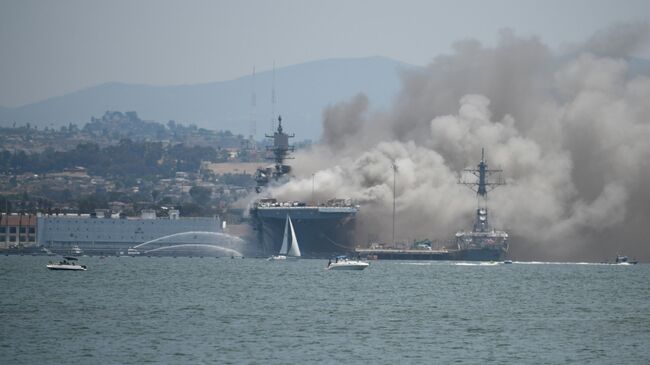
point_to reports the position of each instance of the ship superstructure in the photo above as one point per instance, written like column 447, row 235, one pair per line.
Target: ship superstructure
column 280, row 151
column 321, row 228
column 483, row 240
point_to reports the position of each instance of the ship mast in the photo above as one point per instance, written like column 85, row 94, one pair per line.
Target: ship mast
column 281, row 147
column 280, row 152
column 394, row 173
column 482, row 187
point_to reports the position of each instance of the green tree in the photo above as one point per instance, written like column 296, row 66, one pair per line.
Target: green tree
column 191, row 210
column 200, row 194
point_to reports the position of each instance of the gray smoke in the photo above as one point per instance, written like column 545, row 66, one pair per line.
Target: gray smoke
column 619, row 40
column 570, row 131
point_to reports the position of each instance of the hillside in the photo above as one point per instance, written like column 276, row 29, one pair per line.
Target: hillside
column 302, row 91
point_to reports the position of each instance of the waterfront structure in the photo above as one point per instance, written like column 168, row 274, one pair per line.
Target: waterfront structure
column 17, row 230
column 105, row 233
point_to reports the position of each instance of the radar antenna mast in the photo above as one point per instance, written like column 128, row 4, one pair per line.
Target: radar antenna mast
column 482, row 187
column 281, row 147
column 280, row 151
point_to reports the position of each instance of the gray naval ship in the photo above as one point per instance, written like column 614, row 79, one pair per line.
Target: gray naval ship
column 482, row 243
column 322, row 229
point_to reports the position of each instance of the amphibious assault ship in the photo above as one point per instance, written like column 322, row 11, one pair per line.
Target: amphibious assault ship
column 482, row 243
column 321, row 228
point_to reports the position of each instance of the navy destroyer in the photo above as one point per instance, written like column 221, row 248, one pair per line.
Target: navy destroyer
column 482, row 243
column 321, row 228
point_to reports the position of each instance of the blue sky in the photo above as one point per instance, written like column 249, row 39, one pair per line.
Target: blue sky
column 50, row 48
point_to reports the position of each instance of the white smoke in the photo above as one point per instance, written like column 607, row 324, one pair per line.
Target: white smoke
column 570, row 131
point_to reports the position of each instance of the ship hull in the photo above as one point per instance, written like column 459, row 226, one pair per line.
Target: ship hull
column 320, row 231
column 479, row 254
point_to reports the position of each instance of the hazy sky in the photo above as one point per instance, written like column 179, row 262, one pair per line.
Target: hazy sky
column 50, row 48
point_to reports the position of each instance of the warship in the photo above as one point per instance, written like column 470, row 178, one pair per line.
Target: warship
column 482, row 243
column 321, row 228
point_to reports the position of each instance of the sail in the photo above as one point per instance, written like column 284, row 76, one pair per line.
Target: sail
column 294, row 250
column 285, row 238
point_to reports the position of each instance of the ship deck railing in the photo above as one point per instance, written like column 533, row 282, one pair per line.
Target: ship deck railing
column 398, row 250
column 309, row 207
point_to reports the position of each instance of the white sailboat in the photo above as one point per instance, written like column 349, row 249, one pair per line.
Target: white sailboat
column 289, row 248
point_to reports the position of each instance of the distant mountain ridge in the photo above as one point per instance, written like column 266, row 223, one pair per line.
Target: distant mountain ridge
column 302, row 92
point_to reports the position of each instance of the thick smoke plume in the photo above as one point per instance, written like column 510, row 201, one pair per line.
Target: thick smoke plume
column 571, row 132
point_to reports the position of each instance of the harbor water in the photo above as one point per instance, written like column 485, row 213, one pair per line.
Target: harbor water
column 126, row 310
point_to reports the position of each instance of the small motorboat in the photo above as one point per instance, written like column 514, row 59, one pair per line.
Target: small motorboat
column 68, row 263
column 624, row 260
column 277, row 257
column 507, row 262
column 133, row 252
column 344, row 263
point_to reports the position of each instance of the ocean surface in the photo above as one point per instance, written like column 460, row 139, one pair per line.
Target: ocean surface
column 126, row 310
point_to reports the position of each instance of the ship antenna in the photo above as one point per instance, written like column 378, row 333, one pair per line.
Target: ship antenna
column 253, row 123
column 483, row 173
column 483, row 185
column 394, row 173
column 273, row 100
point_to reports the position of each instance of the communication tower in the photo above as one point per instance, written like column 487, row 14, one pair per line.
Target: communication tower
column 273, row 99
column 253, row 122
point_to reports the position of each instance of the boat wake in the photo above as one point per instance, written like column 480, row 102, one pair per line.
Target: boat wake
column 477, row 263
column 558, row 263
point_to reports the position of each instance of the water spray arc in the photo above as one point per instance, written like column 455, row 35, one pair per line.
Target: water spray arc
column 228, row 244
